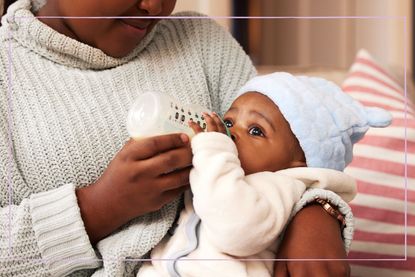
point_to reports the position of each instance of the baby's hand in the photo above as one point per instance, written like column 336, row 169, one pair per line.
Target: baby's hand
column 213, row 123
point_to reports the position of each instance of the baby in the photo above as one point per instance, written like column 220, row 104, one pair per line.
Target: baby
column 286, row 134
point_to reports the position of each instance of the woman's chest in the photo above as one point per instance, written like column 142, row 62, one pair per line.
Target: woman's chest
column 68, row 124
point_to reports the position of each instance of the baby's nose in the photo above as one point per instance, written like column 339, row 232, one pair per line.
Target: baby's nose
column 234, row 135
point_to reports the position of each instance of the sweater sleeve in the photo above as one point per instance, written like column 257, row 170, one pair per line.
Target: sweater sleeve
column 44, row 235
column 242, row 215
column 40, row 235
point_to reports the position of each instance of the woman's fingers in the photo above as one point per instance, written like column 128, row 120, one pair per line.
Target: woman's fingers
column 174, row 180
column 166, row 162
column 135, row 181
column 150, row 147
column 170, row 195
column 280, row 269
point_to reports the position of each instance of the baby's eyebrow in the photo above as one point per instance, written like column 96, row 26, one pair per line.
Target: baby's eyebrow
column 264, row 117
column 231, row 109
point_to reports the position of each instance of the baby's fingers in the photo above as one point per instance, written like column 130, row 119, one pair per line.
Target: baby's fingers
column 210, row 123
column 195, row 127
column 219, row 124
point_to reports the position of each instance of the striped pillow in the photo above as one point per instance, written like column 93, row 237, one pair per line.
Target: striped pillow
column 379, row 168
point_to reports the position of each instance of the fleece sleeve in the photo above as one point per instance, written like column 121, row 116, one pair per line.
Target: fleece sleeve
column 242, row 215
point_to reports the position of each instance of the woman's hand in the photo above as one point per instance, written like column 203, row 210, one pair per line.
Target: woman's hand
column 142, row 177
column 312, row 234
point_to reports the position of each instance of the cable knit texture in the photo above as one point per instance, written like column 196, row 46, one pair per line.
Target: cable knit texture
column 63, row 107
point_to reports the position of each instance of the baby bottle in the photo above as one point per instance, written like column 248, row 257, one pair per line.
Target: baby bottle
column 154, row 114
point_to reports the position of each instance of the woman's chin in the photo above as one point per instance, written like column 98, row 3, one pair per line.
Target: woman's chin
column 116, row 51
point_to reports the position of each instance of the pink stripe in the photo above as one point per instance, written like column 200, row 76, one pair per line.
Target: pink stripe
column 382, row 215
column 354, row 88
column 396, row 144
column 377, row 93
column 373, row 65
column 383, row 238
column 401, row 122
column 409, row 264
column 365, row 75
column 368, row 255
column 380, row 190
column 384, row 166
column 386, row 107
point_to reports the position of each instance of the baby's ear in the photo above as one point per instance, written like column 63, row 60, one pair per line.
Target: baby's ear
column 298, row 164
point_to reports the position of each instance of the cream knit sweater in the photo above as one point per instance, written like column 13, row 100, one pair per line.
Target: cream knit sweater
column 63, row 106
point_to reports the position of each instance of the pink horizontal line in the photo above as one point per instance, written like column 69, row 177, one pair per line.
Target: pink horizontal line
column 382, row 215
column 387, row 107
column 381, row 190
column 230, row 259
column 408, row 265
column 220, row 17
column 376, row 67
column 375, row 92
column 384, row 166
column 365, row 75
column 395, row 238
column 409, row 123
column 376, row 256
column 277, row 260
column 391, row 143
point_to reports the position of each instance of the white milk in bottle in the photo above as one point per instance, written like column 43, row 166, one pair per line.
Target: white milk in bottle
column 154, row 114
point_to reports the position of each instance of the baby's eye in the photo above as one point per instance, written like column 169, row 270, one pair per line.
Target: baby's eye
column 228, row 123
column 256, row 131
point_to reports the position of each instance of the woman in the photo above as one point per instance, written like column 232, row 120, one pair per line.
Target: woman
column 68, row 178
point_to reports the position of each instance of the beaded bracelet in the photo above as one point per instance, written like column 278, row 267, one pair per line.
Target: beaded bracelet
column 330, row 210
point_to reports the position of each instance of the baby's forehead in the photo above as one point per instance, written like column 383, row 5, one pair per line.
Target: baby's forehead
column 254, row 100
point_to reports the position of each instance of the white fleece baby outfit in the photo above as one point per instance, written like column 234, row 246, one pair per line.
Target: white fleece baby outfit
column 240, row 216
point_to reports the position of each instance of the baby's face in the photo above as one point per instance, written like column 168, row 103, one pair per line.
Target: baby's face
column 262, row 136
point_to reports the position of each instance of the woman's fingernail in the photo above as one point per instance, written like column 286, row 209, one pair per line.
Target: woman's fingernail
column 184, row 138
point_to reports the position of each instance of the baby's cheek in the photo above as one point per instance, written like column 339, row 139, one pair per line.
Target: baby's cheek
column 250, row 161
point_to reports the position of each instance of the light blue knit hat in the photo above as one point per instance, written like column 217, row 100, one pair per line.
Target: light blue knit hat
column 325, row 120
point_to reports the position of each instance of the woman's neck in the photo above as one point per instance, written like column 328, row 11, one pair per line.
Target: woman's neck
column 51, row 8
